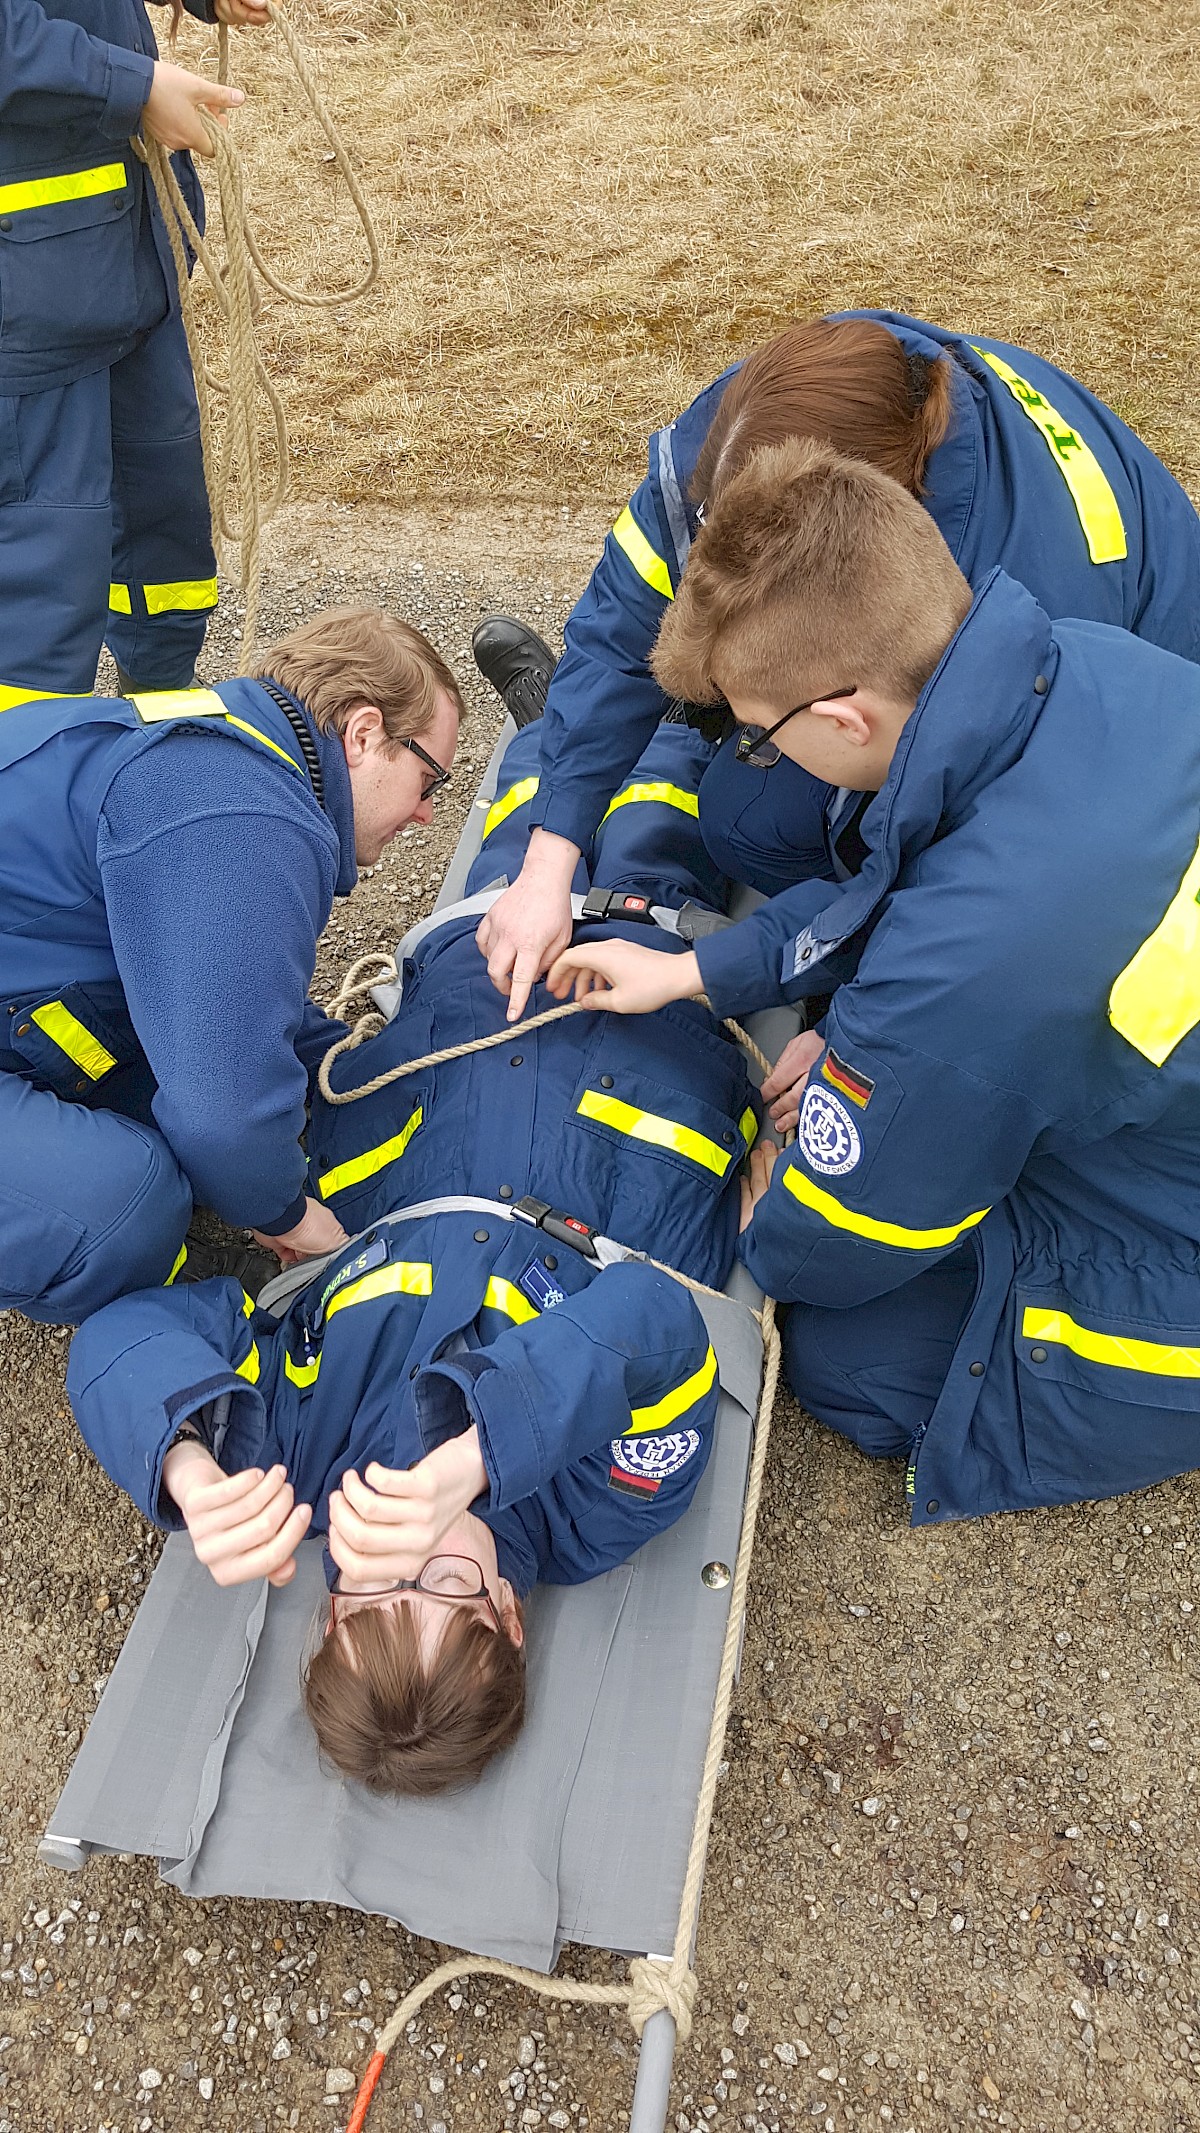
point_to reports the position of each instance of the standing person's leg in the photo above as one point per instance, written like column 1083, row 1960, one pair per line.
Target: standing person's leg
column 874, row 1372
column 55, row 538
column 91, row 1205
column 764, row 827
column 164, row 572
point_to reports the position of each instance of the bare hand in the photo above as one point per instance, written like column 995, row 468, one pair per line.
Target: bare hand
column 172, row 109
column 531, row 923
column 785, row 1084
column 756, row 1179
column 387, row 1525
column 242, row 14
column 624, row 978
column 317, row 1232
column 243, row 1526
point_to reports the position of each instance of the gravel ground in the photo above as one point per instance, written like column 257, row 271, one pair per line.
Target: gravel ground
column 954, row 1876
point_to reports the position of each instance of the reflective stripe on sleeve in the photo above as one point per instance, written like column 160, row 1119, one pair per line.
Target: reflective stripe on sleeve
column 119, row 602
column 371, row 1161
column 404, row 1277
column 655, row 1131
column 515, row 797
column 646, row 560
column 502, row 1296
column 62, row 1028
column 1157, row 1358
column 666, row 796
column 12, row 693
column 15, row 199
column 910, row 1240
column 676, row 1403
column 1091, row 492
column 185, row 596
column 1155, row 1000
column 251, row 1368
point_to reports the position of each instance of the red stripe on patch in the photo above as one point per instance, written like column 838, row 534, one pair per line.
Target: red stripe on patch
column 631, row 1484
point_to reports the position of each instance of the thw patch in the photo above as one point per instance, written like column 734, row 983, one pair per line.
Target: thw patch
column 828, row 1137
column 539, row 1285
column 640, row 1465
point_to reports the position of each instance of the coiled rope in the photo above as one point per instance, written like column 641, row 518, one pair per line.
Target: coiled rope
column 653, row 1986
column 237, row 463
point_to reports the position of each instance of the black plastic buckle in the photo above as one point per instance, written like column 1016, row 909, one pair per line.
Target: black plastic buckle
column 565, row 1229
column 614, row 903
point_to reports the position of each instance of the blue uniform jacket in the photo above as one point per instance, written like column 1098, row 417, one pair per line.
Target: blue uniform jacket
column 1015, row 1065
column 84, row 261
column 1036, row 476
column 595, row 1405
column 162, row 889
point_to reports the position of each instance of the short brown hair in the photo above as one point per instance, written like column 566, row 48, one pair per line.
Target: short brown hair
column 813, row 572
column 397, row 1728
column 847, row 382
column 361, row 655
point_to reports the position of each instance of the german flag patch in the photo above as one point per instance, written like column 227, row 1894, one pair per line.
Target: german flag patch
column 847, row 1079
column 632, row 1484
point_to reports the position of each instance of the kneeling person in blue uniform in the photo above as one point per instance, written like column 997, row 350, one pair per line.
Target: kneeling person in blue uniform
column 479, row 1392
column 989, row 1225
column 167, row 864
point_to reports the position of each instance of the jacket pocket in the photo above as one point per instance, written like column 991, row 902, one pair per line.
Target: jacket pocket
column 73, row 1042
column 67, row 275
column 1107, row 1402
column 35, row 1243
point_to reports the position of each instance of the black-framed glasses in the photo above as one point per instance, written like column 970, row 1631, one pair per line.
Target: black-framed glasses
column 757, row 743
column 440, row 776
column 444, row 1577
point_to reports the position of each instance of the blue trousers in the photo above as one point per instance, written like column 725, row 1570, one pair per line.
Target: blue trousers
column 874, row 1372
column 764, row 827
column 104, row 526
column 91, row 1204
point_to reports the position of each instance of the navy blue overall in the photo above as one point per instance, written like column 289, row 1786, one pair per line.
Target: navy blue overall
column 104, row 522
column 1035, row 475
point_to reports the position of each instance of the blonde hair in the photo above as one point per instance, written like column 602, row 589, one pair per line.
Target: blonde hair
column 812, row 572
column 361, row 655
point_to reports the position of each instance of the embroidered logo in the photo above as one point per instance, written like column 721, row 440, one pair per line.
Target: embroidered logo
column 539, row 1285
column 640, row 1464
column 847, row 1079
column 829, row 1139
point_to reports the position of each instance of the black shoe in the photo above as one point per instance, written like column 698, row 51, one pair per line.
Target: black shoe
column 517, row 663
column 247, row 1263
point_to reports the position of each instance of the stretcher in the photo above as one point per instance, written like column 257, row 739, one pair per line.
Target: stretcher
column 199, row 1754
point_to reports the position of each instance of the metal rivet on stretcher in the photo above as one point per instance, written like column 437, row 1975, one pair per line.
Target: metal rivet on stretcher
column 481, row 1236
column 606, row 1081
column 506, row 1192
column 933, row 1505
column 715, row 1574
column 977, row 1370
column 1037, row 1355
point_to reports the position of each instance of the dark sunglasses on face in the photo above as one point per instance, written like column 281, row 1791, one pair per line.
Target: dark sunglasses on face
column 757, row 745
column 440, row 776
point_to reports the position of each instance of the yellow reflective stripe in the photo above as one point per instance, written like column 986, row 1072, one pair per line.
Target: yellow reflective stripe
column 119, row 602
column 180, row 1263
column 674, row 1404
column 658, row 1132
column 301, row 1373
column 1158, row 1359
column 910, row 1240
column 1155, row 1000
column 666, row 795
column 502, row 1296
column 152, row 705
column 514, row 798
column 266, row 740
column 76, row 185
column 405, row 1277
column 186, row 596
column 12, row 693
column 646, row 560
column 72, row 1038
column 1091, row 493
column 252, row 1366
column 749, row 1126
column 373, row 1160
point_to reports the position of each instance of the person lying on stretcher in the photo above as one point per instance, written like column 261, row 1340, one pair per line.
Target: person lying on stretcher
column 464, row 1399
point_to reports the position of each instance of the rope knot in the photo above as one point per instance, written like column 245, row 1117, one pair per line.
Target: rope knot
column 653, row 1988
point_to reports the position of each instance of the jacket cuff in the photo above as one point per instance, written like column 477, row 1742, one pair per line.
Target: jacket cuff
column 573, row 814
column 287, row 1220
column 130, row 75
column 450, row 1397
column 738, row 970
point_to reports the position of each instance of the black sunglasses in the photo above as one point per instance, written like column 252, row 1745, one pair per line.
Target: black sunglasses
column 757, row 744
column 440, row 777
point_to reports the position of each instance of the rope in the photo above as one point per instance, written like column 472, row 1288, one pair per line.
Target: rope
column 653, row 1986
column 237, row 463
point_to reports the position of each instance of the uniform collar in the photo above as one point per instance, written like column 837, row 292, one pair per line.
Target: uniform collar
column 339, row 804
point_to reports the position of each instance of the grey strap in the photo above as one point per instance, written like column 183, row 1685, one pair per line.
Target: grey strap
column 673, row 504
column 388, row 996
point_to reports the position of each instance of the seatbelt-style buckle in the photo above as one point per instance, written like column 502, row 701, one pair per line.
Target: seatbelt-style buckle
column 616, row 903
column 565, row 1229
column 695, row 922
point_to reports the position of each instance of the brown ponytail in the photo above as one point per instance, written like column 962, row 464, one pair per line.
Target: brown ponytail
column 845, row 382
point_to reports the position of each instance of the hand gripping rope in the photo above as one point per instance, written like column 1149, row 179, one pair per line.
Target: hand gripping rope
column 237, row 461
column 653, row 1985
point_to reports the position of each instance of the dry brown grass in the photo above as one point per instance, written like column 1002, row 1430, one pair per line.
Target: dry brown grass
column 588, row 207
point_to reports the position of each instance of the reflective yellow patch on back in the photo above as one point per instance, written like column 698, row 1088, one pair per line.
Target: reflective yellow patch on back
column 62, row 1028
column 1155, row 1000
column 186, row 596
column 515, row 797
column 405, row 1277
column 13, row 693
column 646, row 560
column 15, row 199
column 909, row 1240
column 119, row 602
column 502, row 1296
column 676, row 1403
column 665, row 795
column 1159, row 1359
column 371, row 1161
column 655, row 1131
column 1091, row 492
column 153, row 705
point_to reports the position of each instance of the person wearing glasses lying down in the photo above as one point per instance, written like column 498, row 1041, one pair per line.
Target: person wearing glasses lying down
column 473, row 1394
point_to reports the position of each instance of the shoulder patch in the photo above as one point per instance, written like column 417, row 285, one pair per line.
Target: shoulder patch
column 539, row 1285
column 857, row 1086
column 829, row 1139
column 639, row 1464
